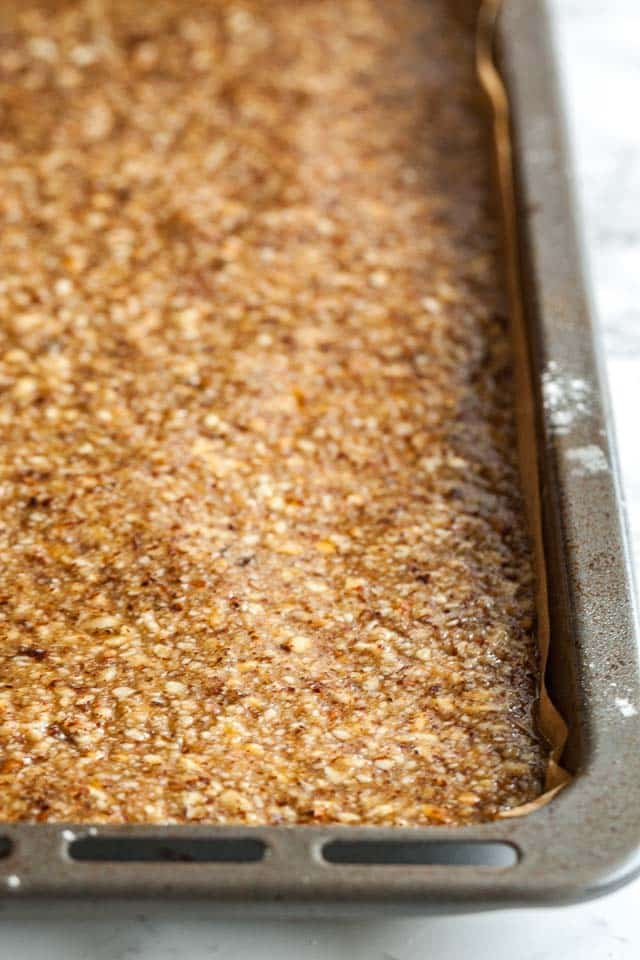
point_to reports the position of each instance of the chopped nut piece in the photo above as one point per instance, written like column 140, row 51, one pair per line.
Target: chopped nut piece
column 290, row 549
column 316, row 586
column 469, row 798
column 354, row 583
column 326, row 546
column 26, row 388
column 106, row 622
column 300, row 644
column 230, row 800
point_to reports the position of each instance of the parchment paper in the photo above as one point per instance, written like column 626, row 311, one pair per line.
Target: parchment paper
column 549, row 722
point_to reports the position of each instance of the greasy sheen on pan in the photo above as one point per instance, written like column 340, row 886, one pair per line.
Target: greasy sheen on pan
column 264, row 555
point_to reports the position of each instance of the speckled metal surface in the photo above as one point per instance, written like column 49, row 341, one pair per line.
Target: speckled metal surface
column 587, row 840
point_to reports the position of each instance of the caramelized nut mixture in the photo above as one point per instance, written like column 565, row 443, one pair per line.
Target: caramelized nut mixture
column 264, row 554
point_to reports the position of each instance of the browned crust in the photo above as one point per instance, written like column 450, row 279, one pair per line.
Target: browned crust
column 265, row 555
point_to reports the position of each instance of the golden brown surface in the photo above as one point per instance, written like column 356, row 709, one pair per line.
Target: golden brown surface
column 263, row 547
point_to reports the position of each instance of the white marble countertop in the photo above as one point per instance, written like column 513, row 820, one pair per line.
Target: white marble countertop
column 599, row 44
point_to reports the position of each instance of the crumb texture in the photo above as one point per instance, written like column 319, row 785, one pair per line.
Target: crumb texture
column 264, row 554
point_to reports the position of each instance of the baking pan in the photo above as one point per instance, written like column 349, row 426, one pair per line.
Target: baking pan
column 586, row 840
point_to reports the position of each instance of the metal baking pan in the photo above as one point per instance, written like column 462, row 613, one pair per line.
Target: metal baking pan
column 586, row 840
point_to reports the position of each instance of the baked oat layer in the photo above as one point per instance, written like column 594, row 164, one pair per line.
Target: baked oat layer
column 264, row 555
